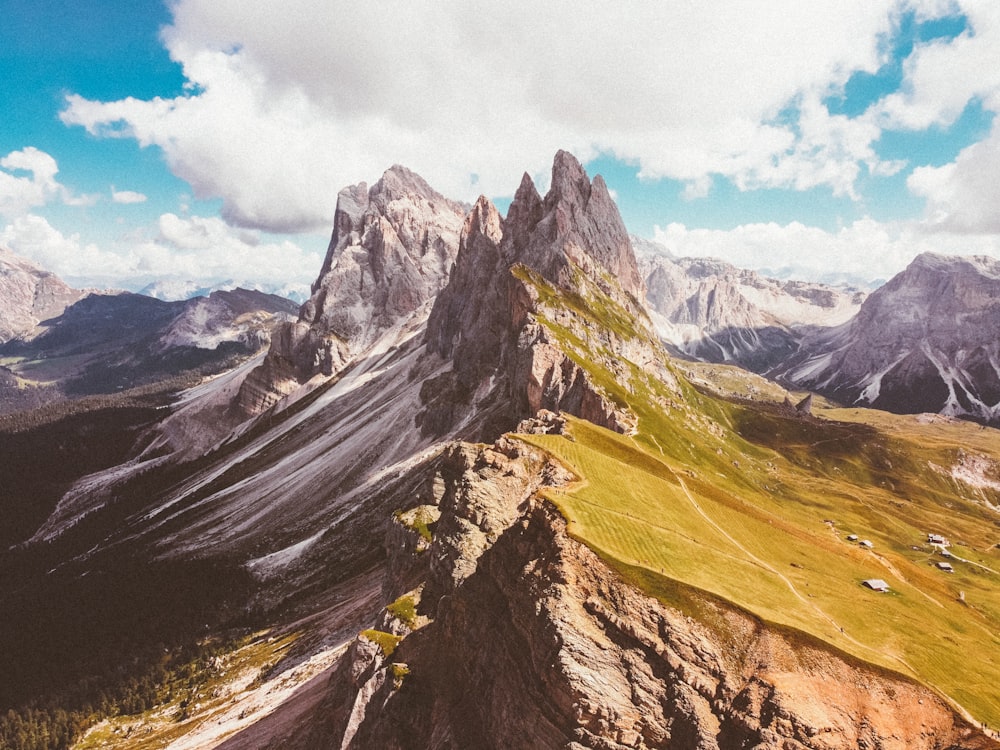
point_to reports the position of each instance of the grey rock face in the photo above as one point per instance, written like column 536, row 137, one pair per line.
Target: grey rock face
column 924, row 342
column 713, row 311
column 484, row 319
column 28, row 295
column 390, row 253
column 577, row 222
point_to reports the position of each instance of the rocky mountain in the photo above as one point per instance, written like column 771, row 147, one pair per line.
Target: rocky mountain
column 29, row 296
column 390, row 254
column 481, row 508
column 103, row 343
column 485, row 321
column 712, row 311
column 924, row 342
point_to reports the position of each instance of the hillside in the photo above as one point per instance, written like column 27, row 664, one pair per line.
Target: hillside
column 105, row 343
column 922, row 342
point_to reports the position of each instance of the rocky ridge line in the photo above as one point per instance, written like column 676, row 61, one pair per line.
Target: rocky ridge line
column 525, row 638
column 29, row 295
column 923, row 342
column 712, row 311
column 571, row 245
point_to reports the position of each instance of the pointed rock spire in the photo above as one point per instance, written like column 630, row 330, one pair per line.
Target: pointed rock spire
column 578, row 223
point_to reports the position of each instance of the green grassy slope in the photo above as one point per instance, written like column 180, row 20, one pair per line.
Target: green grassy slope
column 751, row 503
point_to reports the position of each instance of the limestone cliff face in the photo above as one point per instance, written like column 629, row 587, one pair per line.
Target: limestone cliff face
column 487, row 320
column 715, row 312
column 577, row 223
column 29, row 295
column 390, row 254
column 924, row 342
column 534, row 643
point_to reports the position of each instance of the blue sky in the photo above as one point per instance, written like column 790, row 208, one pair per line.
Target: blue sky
column 205, row 140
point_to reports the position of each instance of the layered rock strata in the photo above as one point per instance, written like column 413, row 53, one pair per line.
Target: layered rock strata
column 29, row 295
column 924, row 342
column 709, row 310
column 510, row 274
column 390, row 253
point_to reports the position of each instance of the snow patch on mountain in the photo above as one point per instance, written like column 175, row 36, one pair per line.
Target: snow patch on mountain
column 709, row 310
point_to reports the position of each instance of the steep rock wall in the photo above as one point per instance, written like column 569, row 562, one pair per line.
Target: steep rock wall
column 537, row 643
column 390, row 253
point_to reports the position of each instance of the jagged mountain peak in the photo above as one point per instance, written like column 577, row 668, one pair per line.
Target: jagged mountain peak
column 390, row 253
column 578, row 224
column 568, row 177
column 485, row 219
column 399, row 182
column 925, row 341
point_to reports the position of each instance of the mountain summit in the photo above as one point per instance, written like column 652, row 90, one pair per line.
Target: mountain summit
column 29, row 294
column 572, row 242
column 924, row 342
column 389, row 255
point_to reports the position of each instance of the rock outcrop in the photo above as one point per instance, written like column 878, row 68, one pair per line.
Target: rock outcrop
column 28, row 295
column 242, row 316
column 534, row 642
column 390, row 254
column 924, row 342
column 570, row 245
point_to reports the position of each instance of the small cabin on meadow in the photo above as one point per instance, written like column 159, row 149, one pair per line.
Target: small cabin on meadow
column 945, row 566
column 852, row 537
column 876, row 584
column 937, row 539
column 866, row 544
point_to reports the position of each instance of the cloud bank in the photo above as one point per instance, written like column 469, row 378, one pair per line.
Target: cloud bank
column 288, row 100
column 865, row 253
column 181, row 249
column 286, row 103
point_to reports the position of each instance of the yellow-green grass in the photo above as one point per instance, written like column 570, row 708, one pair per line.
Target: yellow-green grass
column 786, row 566
column 49, row 370
column 752, row 504
column 387, row 642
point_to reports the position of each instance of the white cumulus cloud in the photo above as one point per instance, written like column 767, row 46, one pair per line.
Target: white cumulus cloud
column 864, row 252
column 964, row 195
column 27, row 180
column 127, row 196
column 77, row 262
column 202, row 250
column 288, row 103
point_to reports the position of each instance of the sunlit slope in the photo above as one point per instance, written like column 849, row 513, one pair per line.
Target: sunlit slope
column 754, row 504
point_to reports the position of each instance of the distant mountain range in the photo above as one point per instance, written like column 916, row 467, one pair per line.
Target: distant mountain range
column 922, row 342
column 713, row 311
column 926, row 341
column 59, row 340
